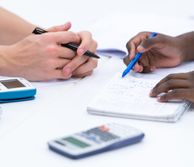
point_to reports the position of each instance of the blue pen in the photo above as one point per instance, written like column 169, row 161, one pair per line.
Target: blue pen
column 136, row 58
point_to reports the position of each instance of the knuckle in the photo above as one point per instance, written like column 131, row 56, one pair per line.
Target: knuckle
column 94, row 63
column 146, row 69
column 72, row 36
column 52, row 50
column 88, row 33
column 174, row 92
column 90, row 73
column 160, row 89
column 95, row 44
column 69, row 33
column 87, row 74
column 50, row 63
column 168, row 84
column 142, row 33
column 55, row 28
column 170, row 76
column 73, row 65
column 126, row 60
column 45, row 37
column 64, row 77
column 82, row 60
column 147, row 43
column 33, row 40
column 154, row 91
column 85, row 33
column 164, row 97
column 128, row 44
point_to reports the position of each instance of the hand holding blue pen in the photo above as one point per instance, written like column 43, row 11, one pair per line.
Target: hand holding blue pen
column 136, row 58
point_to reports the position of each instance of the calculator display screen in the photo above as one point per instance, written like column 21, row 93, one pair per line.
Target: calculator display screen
column 76, row 142
column 14, row 83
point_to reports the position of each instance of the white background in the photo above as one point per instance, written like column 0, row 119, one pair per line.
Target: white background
column 84, row 12
column 59, row 108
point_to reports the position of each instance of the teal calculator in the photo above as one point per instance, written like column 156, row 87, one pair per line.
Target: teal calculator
column 96, row 140
column 16, row 89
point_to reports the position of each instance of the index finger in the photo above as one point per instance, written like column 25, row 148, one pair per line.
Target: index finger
column 64, row 27
column 172, row 76
column 86, row 42
column 132, row 49
column 76, row 62
column 62, row 37
column 135, row 42
column 182, row 94
column 137, row 67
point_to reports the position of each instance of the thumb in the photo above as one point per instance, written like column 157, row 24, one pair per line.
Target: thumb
column 148, row 44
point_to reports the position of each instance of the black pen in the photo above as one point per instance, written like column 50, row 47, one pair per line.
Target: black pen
column 71, row 46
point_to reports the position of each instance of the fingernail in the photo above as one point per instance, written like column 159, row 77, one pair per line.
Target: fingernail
column 67, row 24
column 152, row 69
column 151, row 92
column 67, row 71
column 140, row 69
column 64, row 27
column 140, row 48
column 159, row 98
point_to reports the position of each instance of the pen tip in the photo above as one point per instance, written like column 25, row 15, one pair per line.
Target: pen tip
column 123, row 75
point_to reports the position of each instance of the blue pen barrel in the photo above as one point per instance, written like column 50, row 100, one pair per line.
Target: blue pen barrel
column 135, row 60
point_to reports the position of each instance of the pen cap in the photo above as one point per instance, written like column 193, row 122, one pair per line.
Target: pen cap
column 38, row 30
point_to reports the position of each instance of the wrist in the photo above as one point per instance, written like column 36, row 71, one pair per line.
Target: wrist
column 7, row 67
column 187, row 46
column 3, row 56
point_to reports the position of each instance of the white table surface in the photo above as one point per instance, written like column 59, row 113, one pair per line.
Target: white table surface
column 60, row 106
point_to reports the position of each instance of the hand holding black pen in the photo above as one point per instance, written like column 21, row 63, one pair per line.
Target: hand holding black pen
column 71, row 46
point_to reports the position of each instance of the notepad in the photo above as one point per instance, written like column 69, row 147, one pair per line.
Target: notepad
column 129, row 98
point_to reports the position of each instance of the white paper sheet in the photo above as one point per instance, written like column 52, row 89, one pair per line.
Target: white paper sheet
column 129, row 98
